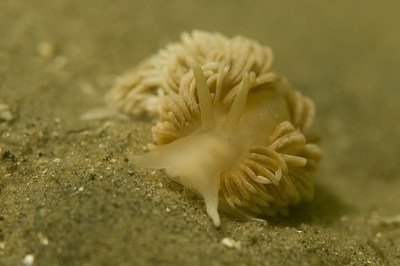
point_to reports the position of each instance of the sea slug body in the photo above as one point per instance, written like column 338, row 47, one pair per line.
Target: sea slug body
column 229, row 128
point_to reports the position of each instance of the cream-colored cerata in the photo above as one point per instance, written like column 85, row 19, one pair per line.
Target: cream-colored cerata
column 229, row 128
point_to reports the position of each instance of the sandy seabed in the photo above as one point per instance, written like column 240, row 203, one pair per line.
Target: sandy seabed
column 68, row 195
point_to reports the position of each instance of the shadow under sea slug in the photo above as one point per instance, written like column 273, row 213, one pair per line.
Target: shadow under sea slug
column 229, row 128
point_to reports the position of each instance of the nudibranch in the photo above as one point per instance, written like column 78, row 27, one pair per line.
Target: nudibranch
column 229, row 128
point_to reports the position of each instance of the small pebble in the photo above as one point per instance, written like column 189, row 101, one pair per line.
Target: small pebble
column 46, row 49
column 311, row 250
column 5, row 113
column 28, row 260
column 43, row 239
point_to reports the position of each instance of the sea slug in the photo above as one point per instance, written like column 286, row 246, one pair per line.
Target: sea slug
column 229, row 128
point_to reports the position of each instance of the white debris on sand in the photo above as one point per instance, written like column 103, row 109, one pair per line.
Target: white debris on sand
column 230, row 243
